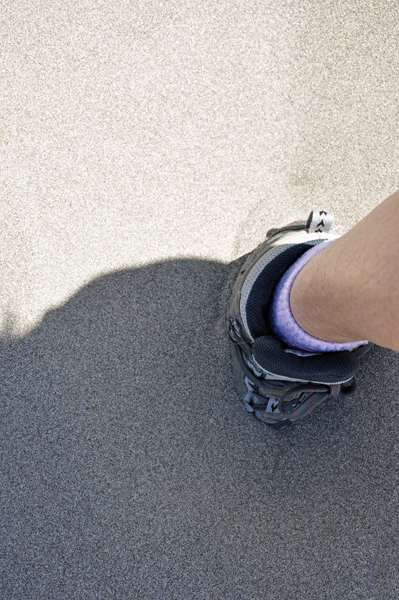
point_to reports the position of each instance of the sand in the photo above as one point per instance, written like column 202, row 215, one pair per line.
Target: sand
column 146, row 148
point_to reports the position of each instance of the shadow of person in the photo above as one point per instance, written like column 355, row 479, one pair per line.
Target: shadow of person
column 130, row 469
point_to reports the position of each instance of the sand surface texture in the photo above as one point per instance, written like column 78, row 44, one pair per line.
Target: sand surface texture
column 146, row 147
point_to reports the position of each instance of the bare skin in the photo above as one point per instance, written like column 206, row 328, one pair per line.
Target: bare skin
column 350, row 291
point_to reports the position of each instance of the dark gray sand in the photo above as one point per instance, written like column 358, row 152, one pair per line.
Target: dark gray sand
column 132, row 471
column 146, row 147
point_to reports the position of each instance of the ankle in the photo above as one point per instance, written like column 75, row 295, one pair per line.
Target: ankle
column 318, row 304
column 282, row 320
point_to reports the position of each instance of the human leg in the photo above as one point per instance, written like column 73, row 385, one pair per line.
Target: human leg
column 350, row 290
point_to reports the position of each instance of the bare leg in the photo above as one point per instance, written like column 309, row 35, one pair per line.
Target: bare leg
column 350, row 291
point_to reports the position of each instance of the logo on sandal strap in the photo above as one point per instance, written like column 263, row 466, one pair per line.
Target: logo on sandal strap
column 320, row 221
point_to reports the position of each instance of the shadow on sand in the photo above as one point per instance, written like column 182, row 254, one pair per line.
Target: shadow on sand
column 131, row 470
